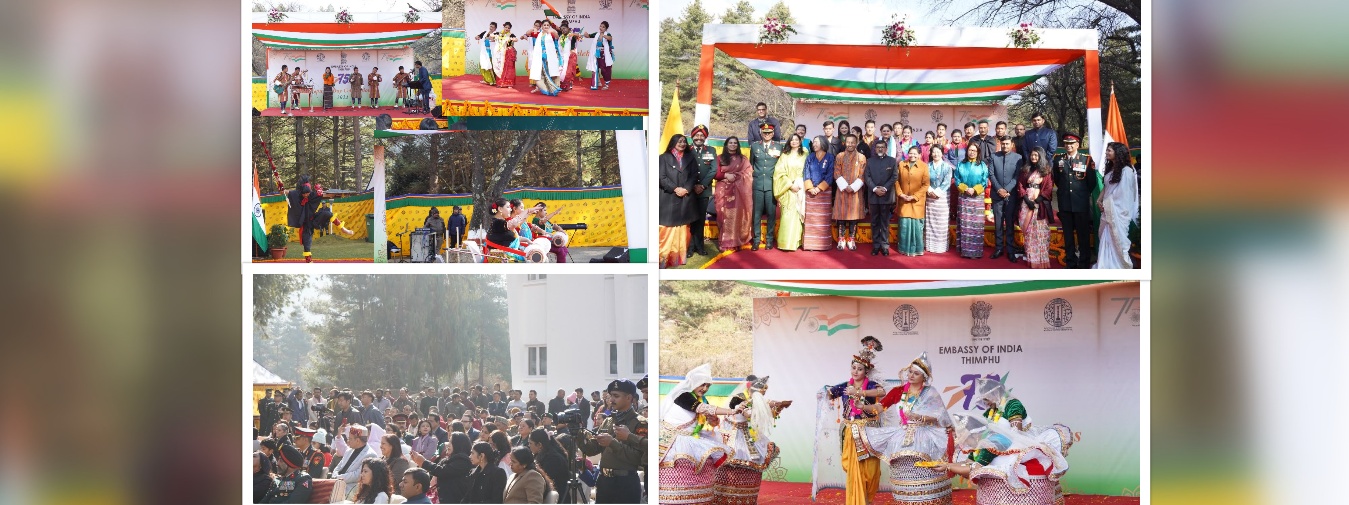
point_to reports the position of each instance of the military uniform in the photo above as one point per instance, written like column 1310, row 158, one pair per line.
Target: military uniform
column 707, row 169
column 293, row 488
column 763, row 157
column 620, row 461
column 1075, row 178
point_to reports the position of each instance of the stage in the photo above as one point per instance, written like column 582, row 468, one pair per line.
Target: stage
column 774, row 493
column 466, row 95
column 344, row 111
column 862, row 258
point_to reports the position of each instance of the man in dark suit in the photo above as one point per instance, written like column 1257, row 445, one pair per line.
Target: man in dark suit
column 1075, row 178
column 987, row 145
column 1040, row 136
column 761, row 118
column 559, row 404
column 833, row 139
column 880, row 178
column 1002, row 167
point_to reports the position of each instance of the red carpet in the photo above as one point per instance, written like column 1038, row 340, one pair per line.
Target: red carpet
column 862, row 258
column 773, row 493
column 627, row 94
column 301, row 260
column 395, row 112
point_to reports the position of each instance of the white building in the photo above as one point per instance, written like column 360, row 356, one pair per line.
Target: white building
column 570, row 331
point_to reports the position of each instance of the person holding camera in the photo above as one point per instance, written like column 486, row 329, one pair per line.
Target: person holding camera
column 621, row 443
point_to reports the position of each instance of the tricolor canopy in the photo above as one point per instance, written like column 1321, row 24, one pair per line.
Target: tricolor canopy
column 943, row 66
column 319, row 30
column 911, row 289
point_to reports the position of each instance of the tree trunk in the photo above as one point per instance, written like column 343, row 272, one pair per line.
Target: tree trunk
column 337, row 154
column 579, row 174
column 435, row 164
column 521, row 143
column 356, row 152
column 300, row 167
column 603, row 143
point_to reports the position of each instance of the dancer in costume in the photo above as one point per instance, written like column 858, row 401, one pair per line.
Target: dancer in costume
column 749, row 435
column 601, row 61
column 486, row 60
column 306, row 212
column 503, row 62
column 1014, row 468
column 499, row 231
column 916, row 428
column 735, row 180
column 543, row 60
column 543, row 227
column 850, row 398
column 567, row 41
column 690, row 448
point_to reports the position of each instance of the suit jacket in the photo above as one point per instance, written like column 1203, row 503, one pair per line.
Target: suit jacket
column 1041, row 137
column 676, row 210
column 1002, row 170
column 880, row 172
column 525, row 487
column 486, row 485
column 762, row 159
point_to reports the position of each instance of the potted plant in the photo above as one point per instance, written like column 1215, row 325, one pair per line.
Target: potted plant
column 276, row 241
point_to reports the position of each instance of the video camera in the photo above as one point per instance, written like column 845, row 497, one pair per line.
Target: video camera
column 321, row 409
column 571, row 417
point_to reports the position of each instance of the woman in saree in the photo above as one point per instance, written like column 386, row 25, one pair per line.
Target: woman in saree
column 735, row 180
column 567, row 46
column 789, row 191
column 1119, row 208
column 486, row 60
column 503, row 61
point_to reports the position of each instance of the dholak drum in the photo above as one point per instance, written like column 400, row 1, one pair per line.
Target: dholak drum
column 420, row 247
column 560, row 239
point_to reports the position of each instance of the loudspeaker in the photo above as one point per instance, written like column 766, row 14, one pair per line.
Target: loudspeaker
column 383, row 122
column 616, row 255
column 256, row 112
column 428, row 124
column 438, row 113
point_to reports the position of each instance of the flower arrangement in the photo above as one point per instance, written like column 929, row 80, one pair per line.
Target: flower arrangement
column 411, row 16
column 898, row 34
column 774, row 31
column 1024, row 37
column 275, row 16
column 343, row 17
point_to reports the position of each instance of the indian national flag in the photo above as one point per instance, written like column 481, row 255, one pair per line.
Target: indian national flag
column 674, row 123
column 549, row 10
column 1114, row 123
column 259, row 226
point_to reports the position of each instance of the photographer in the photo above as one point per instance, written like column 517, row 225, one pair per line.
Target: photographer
column 621, row 443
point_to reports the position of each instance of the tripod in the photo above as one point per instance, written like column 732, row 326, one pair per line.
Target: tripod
column 575, row 493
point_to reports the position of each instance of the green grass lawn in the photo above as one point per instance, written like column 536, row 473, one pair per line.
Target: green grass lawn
column 332, row 247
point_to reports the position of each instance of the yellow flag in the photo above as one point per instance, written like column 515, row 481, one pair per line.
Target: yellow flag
column 674, row 122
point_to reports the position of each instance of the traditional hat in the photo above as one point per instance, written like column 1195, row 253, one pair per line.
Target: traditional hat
column 766, row 127
column 1014, row 410
column 875, row 342
column 699, row 375
column 291, row 456
column 758, row 383
column 699, row 128
column 923, row 366
column 1071, row 137
column 866, row 355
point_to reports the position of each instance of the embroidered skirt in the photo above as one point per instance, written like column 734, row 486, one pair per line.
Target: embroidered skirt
column 995, row 491
column 972, row 226
column 921, row 486
column 683, row 483
column 1036, row 235
column 736, row 485
column 937, row 236
column 819, row 222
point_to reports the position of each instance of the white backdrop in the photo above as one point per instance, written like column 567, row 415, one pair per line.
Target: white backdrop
column 922, row 118
column 341, row 62
column 627, row 22
column 1081, row 370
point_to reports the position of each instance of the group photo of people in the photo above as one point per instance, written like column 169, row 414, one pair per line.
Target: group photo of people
column 380, row 422
column 981, row 141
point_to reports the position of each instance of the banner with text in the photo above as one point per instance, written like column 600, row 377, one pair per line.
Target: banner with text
column 922, row 118
column 627, row 23
column 1071, row 356
column 342, row 62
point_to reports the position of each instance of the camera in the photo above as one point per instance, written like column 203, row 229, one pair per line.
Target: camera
column 571, row 417
column 321, row 409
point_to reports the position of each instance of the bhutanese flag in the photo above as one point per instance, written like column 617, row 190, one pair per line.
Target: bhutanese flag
column 259, row 223
column 549, row 10
column 674, row 122
column 1114, row 123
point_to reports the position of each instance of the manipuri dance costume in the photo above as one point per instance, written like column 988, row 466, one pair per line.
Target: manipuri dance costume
column 914, row 429
column 690, row 448
column 749, row 435
column 862, row 468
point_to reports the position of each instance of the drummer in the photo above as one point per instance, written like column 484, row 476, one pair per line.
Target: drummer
column 543, row 226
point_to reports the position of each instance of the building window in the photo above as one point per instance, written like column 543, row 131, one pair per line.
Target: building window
column 611, row 350
column 536, row 277
column 538, row 361
column 639, row 357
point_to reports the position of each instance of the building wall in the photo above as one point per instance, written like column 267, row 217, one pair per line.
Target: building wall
column 575, row 317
